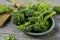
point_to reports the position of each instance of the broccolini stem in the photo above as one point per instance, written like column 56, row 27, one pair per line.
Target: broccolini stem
column 42, row 5
column 48, row 16
column 21, row 27
column 41, row 12
column 44, row 9
column 26, row 23
column 28, row 6
column 40, row 16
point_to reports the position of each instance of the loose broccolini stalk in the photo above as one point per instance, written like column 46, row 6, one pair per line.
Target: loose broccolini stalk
column 57, row 9
column 4, row 8
column 10, row 37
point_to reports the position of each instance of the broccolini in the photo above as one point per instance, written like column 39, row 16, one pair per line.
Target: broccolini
column 10, row 37
column 4, row 8
column 57, row 9
column 35, row 17
column 18, row 17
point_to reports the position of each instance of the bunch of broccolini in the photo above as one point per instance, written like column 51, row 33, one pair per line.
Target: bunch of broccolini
column 36, row 17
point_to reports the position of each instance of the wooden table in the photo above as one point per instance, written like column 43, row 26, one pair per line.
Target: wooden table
column 12, row 29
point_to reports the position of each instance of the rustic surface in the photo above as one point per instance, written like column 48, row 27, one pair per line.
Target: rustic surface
column 12, row 29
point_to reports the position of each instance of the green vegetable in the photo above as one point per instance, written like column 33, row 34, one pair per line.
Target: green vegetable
column 42, row 5
column 34, row 18
column 41, row 26
column 24, row 27
column 48, row 16
column 34, row 7
column 57, row 9
column 29, row 13
column 18, row 17
column 10, row 37
column 4, row 8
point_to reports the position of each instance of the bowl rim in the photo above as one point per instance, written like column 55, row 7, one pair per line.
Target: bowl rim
column 43, row 33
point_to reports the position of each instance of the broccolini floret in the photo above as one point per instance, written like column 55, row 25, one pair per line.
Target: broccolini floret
column 18, row 17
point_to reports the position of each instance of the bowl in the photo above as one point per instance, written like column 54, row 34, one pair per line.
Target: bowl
column 43, row 33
